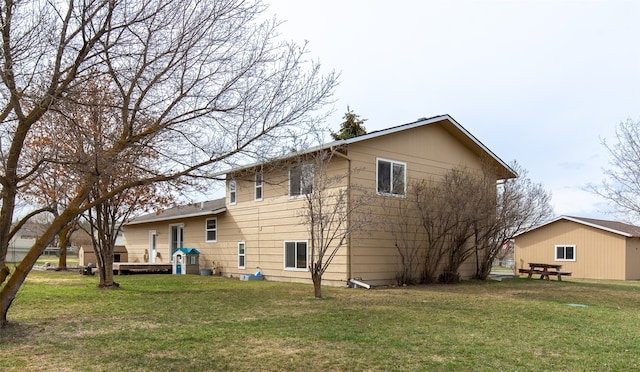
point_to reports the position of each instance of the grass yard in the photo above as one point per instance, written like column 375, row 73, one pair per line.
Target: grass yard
column 199, row 323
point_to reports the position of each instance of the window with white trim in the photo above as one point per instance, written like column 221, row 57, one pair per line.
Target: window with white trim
column 565, row 252
column 258, row 186
column 295, row 255
column 211, row 230
column 301, row 180
column 242, row 254
column 391, row 177
column 232, row 191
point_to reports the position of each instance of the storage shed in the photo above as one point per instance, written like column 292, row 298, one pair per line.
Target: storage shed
column 87, row 255
column 586, row 247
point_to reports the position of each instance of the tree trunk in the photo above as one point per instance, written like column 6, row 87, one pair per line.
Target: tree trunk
column 317, row 284
column 63, row 238
column 106, row 270
column 10, row 289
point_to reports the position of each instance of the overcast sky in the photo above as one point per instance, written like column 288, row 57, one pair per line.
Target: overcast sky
column 540, row 82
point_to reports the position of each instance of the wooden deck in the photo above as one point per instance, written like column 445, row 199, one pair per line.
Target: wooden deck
column 121, row 268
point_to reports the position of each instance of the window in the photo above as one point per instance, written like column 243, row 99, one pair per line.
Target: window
column 241, row 255
column 301, row 180
column 258, row 193
column 391, row 177
column 232, row 191
column 212, row 230
column 565, row 252
column 176, row 237
column 295, row 255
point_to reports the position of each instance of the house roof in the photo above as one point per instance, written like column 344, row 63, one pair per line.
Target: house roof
column 620, row 228
column 450, row 125
column 206, row 208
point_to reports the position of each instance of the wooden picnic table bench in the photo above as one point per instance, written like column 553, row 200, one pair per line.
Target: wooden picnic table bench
column 544, row 270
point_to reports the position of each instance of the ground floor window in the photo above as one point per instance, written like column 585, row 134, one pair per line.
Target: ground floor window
column 211, row 230
column 565, row 252
column 295, row 255
column 241, row 255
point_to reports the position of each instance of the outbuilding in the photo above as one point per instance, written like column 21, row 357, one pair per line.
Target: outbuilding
column 87, row 255
column 586, row 247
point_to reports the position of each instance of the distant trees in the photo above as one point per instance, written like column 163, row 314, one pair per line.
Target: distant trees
column 352, row 126
column 622, row 184
column 193, row 87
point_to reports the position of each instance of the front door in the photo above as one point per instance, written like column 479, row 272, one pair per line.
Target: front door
column 153, row 246
column 176, row 238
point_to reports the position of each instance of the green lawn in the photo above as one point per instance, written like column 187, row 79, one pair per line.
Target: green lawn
column 198, row 323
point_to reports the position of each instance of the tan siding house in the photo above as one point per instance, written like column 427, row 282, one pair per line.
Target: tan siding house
column 258, row 224
column 586, row 247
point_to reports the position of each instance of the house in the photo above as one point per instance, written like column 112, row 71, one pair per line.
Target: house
column 23, row 240
column 257, row 226
column 586, row 247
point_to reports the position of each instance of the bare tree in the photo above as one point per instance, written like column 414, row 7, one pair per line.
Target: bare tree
column 453, row 210
column 200, row 86
column 622, row 184
column 520, row 204
column 437, row 223
column 334, row 209
column 408, row 235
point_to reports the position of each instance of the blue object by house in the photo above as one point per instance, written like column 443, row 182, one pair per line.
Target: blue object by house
column 185, row 261
column 187, row 251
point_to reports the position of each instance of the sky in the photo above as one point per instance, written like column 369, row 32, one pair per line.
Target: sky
column 539, row 82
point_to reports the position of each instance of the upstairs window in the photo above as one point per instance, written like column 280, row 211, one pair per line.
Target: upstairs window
column 565, row 252
column 232, row 191
column 301, row 180
column 391, row 177
column 258, row 186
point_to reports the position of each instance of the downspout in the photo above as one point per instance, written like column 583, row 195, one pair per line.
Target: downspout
column 349, row 253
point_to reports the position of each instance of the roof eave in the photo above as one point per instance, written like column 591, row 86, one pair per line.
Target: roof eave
column 510, row 172
column 179, row 217
column 577, row 220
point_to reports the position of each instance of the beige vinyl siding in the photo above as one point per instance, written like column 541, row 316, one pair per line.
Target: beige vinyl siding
column 632, row 259
column 136, row 240
column 428, row 152
column 599, row 254
column 267, row 224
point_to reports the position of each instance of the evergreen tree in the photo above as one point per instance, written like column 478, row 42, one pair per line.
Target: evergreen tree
column 352, row 126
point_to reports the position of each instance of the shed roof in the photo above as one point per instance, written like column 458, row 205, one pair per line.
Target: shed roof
column 206, row 208
column 620, row 228
column 91, row 249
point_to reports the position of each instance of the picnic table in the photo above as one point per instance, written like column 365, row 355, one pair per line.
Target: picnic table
column 544, row 270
